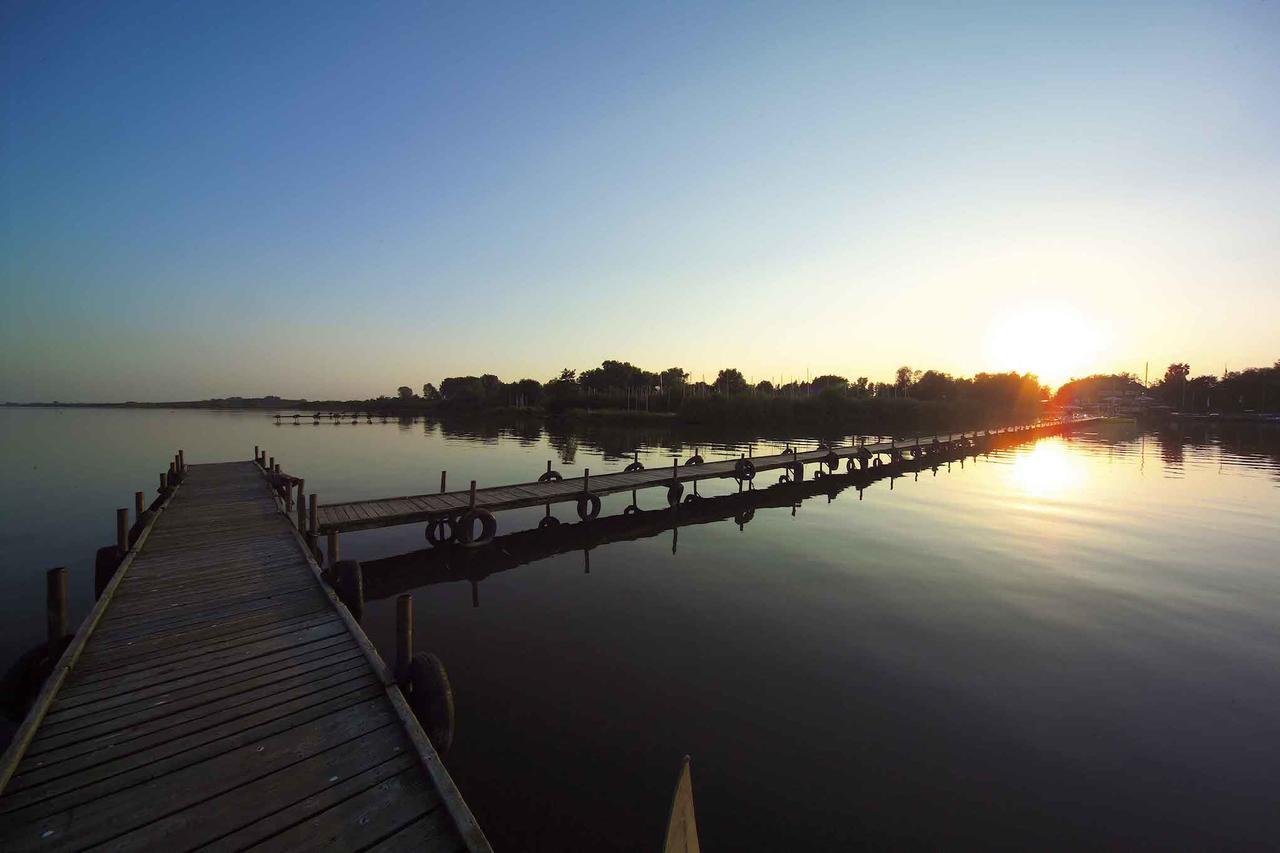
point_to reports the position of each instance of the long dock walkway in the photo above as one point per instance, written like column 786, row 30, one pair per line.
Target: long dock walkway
column 218, row 698
column 333, row 519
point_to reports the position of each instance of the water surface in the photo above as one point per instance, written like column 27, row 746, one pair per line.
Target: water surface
column 1069, row 643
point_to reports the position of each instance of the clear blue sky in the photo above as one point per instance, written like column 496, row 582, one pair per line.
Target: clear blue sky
column 334, row 199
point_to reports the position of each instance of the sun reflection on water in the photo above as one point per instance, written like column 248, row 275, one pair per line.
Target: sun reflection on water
column 1047, row 470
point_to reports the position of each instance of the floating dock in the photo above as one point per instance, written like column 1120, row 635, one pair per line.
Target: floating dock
column 219, row 697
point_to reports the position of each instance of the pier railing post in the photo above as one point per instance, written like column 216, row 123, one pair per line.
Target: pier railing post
column 473, row 495
column 586, row 480
column 443, row 477
column 139, row 506
column 404, row 636
column 314, row 516
column 182, row 461
column 333, row 548
column 122, row 529
column 302, row 507
column 57, row 622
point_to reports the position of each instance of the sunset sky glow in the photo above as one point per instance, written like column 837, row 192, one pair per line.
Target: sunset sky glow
column 333, row 200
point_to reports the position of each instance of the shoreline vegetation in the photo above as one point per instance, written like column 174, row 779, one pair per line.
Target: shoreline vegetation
column 915, row 400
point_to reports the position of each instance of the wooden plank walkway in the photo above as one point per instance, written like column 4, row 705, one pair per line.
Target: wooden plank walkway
column 386, row 512
column 218, row 697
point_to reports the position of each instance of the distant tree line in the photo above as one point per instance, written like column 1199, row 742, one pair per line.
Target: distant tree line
column 1255, row 389
column 624, row 387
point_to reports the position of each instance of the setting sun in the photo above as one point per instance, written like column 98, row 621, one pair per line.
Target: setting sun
column 1053, row 342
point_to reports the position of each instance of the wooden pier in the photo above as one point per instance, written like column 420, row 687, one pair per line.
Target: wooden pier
column 218, row 696
column 461, row 510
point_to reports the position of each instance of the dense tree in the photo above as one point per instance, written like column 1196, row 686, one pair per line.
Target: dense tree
column 902, row 381
column 829, row 382
column 673, row 377
column 764, row 386
column 429, row 392
column 405, row 392
column 730, row 381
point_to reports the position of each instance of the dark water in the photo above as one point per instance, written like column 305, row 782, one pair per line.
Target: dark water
column 1067, row 644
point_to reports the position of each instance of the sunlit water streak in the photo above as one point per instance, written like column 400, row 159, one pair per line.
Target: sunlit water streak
column 1066, row 644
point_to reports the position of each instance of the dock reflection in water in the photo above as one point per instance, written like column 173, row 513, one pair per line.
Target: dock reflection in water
column 388, row 576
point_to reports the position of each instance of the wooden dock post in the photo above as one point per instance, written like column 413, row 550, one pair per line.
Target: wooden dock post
column 314, row 515
column 139, row 505
column 333, row 548
column 56, row 618
column 271, row 464
column 182, row 461
column 302, row 507
column 586, row 480
column 404, row 636
column 443, row 476
column 472, row 503
column 122, row 530
column 164, row 482
column 255, row 454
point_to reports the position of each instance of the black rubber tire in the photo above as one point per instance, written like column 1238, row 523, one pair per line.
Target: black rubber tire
column 744, row 470
column 347, row 580
column 548, row 522
column 588, row 507
column 436, row 531
column 431, row 699
column 796, row 470
column 849, row 465
column 692, row 498
column 466, row 528
column 631, row 509
column 831, row 460
column 634, row 466
column 674, row 492
column 550, row 477
column 695, row 459
column 744, row 516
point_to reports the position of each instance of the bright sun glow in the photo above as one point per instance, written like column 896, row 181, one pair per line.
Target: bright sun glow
column 1047, row 471
column 1053, row 342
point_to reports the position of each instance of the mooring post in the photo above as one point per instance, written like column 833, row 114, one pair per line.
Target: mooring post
column 164, row 482
column 271, row 464
column 333, row 548
column 404, row 636
column 586, row 480
column 314, row 516
column 443, row 475
column 473, row 494
column 288, row 497
column 56, row 619
column 302, row 507
column 139, row 504
column 255, row 454
column 182, row 460
column 122, row 529
column 173, row 474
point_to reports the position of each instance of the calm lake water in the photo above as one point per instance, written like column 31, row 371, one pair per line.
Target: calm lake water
column 1066, row 644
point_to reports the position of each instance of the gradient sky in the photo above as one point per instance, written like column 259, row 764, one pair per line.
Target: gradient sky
column 330, row 200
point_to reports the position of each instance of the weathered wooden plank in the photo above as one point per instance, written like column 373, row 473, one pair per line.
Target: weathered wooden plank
column 249, row 814
column 222, row 673
column 372, row 814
